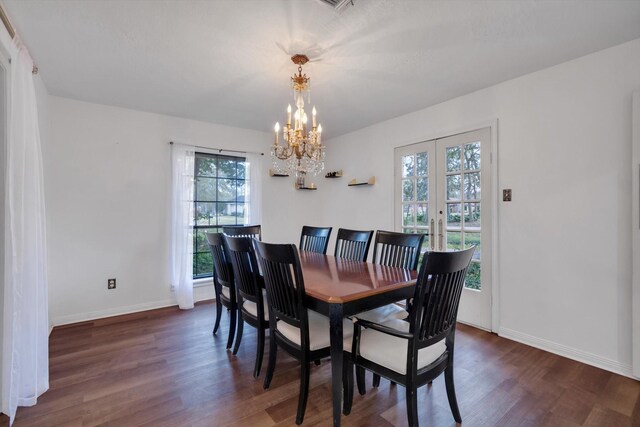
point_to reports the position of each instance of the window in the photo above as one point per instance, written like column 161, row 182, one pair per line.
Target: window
column 221, row 184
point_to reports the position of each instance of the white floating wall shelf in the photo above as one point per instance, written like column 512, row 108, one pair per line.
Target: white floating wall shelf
column 355, row 183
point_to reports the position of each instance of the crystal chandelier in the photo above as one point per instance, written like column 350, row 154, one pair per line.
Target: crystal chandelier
column 302, row 151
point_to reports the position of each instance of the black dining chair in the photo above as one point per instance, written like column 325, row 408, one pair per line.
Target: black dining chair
column 401, row 250
column 353, row 244
column 252, row 298
column 223, row 283
column 393, row 250
column 243, row 231
column 315, row 239
column 302, row 333
column 415, row 351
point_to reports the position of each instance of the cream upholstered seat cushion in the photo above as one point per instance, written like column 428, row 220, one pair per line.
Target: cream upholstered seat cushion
column 252, row 307
column 391, row 352
column 383, row 314
column 318, row 330
column 225, row 292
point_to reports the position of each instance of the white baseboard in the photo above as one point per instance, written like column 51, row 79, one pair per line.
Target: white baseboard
column 473, row 326
column 109, row 312
column 568, row 352
column 200, row 293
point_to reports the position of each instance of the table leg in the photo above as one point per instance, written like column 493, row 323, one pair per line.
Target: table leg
column 335, row 322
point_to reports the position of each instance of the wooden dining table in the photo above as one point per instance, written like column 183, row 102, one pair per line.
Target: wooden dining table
column 338, row 287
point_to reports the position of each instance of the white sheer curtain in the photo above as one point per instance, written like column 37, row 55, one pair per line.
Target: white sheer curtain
column 254, row 190
column 26, row 319
column 182, row 216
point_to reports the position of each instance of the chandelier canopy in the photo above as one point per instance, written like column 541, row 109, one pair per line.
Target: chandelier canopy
column 302, row 151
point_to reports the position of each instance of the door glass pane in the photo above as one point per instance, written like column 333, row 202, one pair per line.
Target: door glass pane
column 453, row 159
column 407, row 214
column 472, row 280
column 471, row 215
column 422, row 166
column 471, row 239
column 454, row 240
column 453, row 187
column 422, row 214
column 455, row 175
column 472, row 156
column 453, row 215
column 407, row 190
column 472, row 186
column 425, row 241
column 408, row 165
column 422, row 189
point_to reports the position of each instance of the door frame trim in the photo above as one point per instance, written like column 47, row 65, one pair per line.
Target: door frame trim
column 492, row 124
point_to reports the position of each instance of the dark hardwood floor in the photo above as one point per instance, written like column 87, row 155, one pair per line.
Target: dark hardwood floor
column 164, row 368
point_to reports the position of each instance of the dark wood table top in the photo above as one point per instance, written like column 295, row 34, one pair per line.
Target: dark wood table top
column 337, row 280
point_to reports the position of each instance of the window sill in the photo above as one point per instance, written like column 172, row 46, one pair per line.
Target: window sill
column 207, row 281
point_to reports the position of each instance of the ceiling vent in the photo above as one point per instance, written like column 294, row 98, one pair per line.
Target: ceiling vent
column 337, row 5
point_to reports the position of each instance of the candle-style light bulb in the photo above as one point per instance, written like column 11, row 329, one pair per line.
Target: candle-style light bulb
column 289, row 115
column 313, row 115
column 277, row 129
column 304, row 119
column 319, row 128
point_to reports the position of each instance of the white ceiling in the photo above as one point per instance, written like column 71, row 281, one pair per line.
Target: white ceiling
column 228, row 61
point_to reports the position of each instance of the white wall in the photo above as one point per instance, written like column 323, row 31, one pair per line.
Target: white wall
column 565, row 246
column 107, row 183
column 564, row 149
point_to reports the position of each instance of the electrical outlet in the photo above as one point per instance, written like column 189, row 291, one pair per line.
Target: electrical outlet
column 506, row 195
column 111, row 283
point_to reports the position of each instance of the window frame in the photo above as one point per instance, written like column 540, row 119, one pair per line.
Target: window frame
column 201, row 250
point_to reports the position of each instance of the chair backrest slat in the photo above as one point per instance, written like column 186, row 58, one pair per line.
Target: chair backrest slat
column 243, row 231
column 397, row 249
column 245, row 267
column 315, row 239
column 284, row 283
column 353, row 244
column 437, row 295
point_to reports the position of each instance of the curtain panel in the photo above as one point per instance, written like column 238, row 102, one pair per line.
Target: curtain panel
column 182, row 222
column 25, row 318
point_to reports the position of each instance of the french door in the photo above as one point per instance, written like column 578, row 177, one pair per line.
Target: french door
column 443, row 190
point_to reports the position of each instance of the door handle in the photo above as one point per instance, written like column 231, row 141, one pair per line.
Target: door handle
column 440, row 234
column 432, row 243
